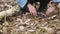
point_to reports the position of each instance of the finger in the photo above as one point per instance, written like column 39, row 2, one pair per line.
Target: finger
column 34, row 12
column 31, row 12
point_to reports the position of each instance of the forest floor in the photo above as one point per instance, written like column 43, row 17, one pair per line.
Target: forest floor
column 28, row 24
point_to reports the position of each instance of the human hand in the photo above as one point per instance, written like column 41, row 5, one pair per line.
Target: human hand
column 32, row 10
column 50, row 10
